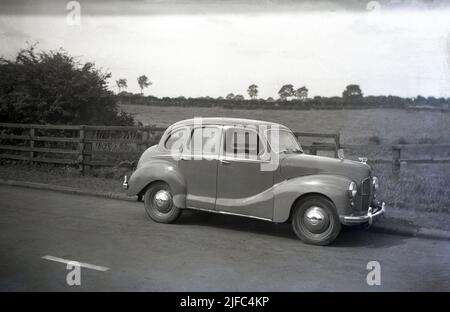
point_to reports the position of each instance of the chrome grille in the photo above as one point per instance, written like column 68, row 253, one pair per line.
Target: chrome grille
column 366, row 193
column 366, row 186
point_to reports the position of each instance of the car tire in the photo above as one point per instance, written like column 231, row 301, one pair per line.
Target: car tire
column 315, row 221
column 158, row 203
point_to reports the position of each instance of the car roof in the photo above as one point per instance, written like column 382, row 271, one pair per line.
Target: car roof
column 225, row 121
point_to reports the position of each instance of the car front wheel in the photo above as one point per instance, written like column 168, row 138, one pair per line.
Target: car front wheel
column 315, row 221
column 158, row 202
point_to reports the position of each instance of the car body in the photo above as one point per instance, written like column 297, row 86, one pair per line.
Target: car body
column 253, row 169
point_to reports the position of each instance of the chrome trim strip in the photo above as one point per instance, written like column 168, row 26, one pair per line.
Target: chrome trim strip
column 229, row 213
column 240, row 159
column 205, row 199
column 214, row 157
column 186, row 156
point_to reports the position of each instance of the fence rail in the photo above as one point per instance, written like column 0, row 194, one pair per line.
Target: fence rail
column 33, row 146
column 397, row 159
column 82, row 139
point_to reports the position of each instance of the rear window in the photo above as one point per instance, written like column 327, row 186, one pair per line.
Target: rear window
column 205, row 140
column 176, row 139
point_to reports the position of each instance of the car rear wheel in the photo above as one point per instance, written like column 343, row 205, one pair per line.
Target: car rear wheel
column 315, row 221
column 158, row 202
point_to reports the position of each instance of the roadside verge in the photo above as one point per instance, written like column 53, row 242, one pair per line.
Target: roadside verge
column 65, row 189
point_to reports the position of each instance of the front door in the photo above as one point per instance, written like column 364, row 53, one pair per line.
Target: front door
column 243, row 186
column 198, row 163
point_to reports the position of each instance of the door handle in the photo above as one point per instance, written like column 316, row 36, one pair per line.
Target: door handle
column 225, row 162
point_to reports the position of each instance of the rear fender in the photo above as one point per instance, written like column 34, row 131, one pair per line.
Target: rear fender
column 159, row 170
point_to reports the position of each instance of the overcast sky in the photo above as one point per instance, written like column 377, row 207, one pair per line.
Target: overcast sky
column 217, row 47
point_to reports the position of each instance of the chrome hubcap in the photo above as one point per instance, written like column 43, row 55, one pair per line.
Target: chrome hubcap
column 162, row 200
column 316, row 219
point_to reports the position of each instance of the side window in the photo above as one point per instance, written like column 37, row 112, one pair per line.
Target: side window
column 176, row 139
column 205, row 140
column 243, row 143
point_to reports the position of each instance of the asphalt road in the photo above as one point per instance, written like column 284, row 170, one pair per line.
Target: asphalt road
column 201, row 252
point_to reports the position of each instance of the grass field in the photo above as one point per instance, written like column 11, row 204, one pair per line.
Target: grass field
column 356, row 126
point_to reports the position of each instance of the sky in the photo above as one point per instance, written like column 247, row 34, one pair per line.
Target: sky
column 212, row 48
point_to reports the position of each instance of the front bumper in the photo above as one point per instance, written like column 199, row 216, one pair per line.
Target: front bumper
column 125, row 183
column 376, row 210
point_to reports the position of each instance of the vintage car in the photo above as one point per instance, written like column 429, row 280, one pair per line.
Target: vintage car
column 253, row 169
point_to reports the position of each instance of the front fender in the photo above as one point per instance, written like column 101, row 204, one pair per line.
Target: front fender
column 287, row 192
column 159, row 170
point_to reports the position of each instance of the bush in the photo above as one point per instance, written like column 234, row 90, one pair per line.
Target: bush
column 54, row 88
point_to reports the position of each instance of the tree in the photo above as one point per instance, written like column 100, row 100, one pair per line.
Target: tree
column 55, row 88
column 286, row 91
column 252, row 91
column 352, row 91
column 301, row 93
column 143, row 82
column 239, row 97
column 230, row 96
column 121, row 83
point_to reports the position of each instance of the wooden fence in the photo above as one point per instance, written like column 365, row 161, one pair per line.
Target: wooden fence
column 398, row 159
column 81, row 145
column 74, row 144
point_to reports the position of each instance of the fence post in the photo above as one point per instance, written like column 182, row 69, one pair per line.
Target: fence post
column 87, row 153
column 81, row 135
column 139, row 138
column 396, row 156
column 337, row 141
column 144, row 139
column 147, row 142
column 32, row 134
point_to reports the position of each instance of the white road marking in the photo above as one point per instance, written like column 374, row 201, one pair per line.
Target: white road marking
column 82, row 264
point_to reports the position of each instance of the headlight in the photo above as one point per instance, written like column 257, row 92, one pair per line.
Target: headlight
column 352, row 190
column 375, row 183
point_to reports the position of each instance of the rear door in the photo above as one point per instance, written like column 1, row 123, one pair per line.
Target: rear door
column 198, row 164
